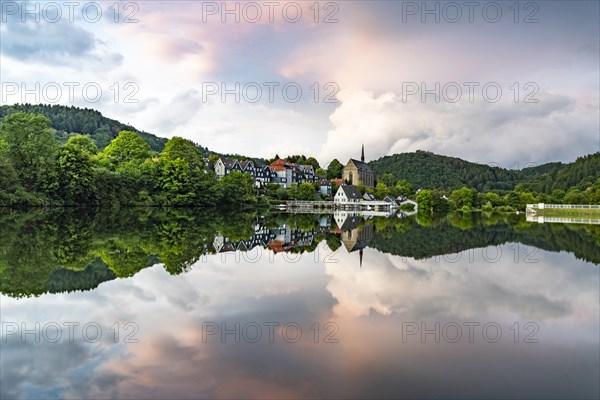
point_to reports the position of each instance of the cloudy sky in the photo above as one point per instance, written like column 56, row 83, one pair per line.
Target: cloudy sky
column 491, row 82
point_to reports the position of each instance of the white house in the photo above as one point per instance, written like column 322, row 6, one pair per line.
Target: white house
column 347, row 194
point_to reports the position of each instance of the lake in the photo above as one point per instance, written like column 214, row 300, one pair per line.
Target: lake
column 152, row 303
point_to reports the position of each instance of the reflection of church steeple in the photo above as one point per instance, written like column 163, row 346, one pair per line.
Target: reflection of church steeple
column 360, row 254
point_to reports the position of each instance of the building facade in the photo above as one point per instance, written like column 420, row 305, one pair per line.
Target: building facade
column 358, row 172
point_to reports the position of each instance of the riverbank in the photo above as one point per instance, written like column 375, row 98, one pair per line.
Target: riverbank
column 568, row 212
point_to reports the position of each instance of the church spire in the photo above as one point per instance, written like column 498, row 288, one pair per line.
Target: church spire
column 362, row 154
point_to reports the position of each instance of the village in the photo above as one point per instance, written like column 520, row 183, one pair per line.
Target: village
column 356, row 175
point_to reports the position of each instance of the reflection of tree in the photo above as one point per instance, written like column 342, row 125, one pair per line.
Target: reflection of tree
column 125, row 256
column 333, row 241
column 65, row 280
column 462, row 220
column 61, row 250
column 26, row 253
column 445, row 237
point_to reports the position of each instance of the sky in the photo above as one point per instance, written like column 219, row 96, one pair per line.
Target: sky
column 508, row 83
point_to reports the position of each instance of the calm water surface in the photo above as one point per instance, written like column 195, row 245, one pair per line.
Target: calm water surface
column 184, row 304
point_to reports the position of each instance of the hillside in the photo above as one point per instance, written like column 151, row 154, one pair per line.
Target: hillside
column 428, row 170
column 68, row 121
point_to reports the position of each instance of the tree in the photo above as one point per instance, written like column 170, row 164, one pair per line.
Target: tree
column 463, row 197
column 321, row 172
column 175, row 183
column 236, row 190
column 493, row 199
column 306, row 191
column 512, row 199
column 84, row 143
column 404, row 188
column 9, row 181
column 425, row 201
column 558, row 196
column 128, row 147
column 312, row 161
column 186, row 150
column 32, row 150
column 381, row 190
column 575, row 196
column 213, row 158
column 76, row 175
column 334, row 169
column 388, row 179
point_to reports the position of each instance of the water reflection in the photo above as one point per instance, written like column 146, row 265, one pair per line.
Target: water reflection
column 180, row 270
column 55, row 251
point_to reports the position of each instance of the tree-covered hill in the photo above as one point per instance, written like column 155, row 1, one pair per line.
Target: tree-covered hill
column 427, row 170
column 68, row 121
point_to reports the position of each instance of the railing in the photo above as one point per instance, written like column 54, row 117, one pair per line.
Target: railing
column 562, row 220
column 543, row 206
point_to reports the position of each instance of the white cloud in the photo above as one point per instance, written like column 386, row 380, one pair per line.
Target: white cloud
column 557, row 128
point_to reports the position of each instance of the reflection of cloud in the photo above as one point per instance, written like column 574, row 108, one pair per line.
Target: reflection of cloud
column 423, row 289
column 171, row 361
column 24, row 365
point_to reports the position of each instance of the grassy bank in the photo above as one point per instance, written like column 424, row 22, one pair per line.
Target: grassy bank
column 565, row 212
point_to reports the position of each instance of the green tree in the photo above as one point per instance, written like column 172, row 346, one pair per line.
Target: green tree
column 312, row 161
column 32, row 150
column 175, row 183
column 425, row 201
column 557, row 196
column 389, row 179
column 83, row 142
column 128, row 147
column 382, row 190
column 186, row 150
column 306, row 191
column 512, row 199
column 9, row 181
column 494, row 199
column 404, row 188
column 236, row 190
column 575, row 196
column 334, row 169
column 462, row 197
column 321, row 172
column 76, row 176
column 183, row 180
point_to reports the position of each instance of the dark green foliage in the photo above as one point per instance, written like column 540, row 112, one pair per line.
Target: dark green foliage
column 31, row 150
column 236, row 191
column 334, row 169
column 76, row 176
column 68, row 121
column 428, row 170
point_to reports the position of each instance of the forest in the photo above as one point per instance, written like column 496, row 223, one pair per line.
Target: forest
column 38, row 171
column 428, row 170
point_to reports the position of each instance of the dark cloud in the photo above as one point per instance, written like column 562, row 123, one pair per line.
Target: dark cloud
column 61, row 43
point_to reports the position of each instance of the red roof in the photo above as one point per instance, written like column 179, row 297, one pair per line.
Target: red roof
column 280, row 165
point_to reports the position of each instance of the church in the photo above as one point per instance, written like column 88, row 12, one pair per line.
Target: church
column 358, row 172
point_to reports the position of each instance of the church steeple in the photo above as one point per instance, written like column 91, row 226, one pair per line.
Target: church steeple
column 362, row 154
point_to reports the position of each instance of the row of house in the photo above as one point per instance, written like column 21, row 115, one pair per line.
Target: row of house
column 349, row 194
column 281, row 239
column 285, row 173
column 281, row 172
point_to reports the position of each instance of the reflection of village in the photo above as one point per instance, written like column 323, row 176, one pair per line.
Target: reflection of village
column 350, row 227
